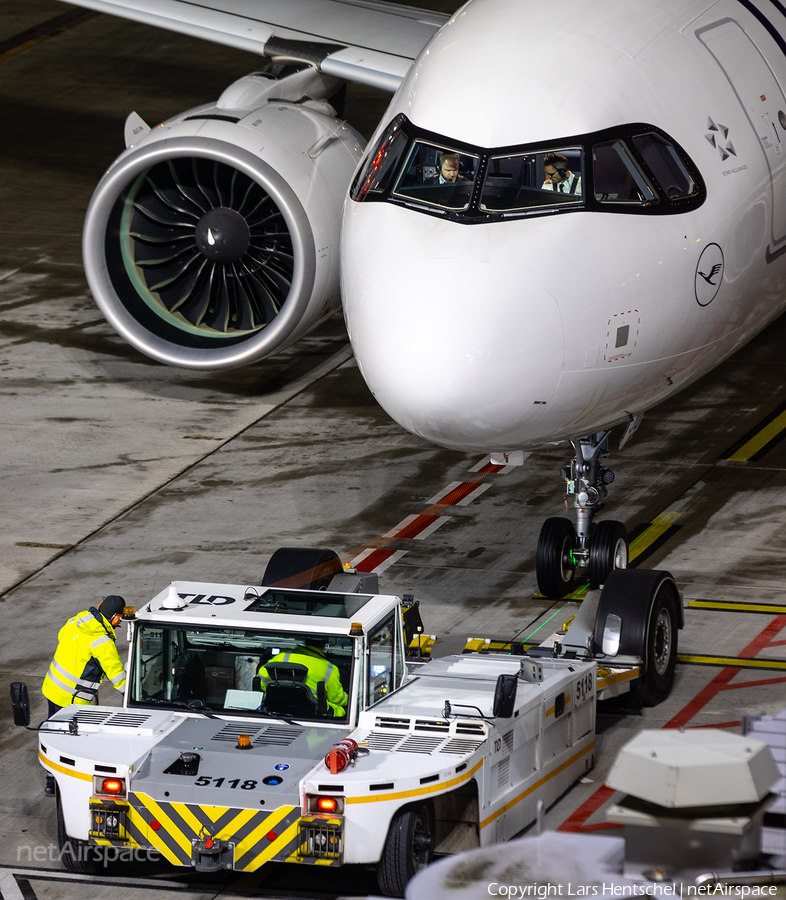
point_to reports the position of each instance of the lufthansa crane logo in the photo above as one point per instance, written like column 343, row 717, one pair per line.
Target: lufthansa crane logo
column 709, row 274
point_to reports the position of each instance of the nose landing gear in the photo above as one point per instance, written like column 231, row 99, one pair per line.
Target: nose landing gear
column 566, row 553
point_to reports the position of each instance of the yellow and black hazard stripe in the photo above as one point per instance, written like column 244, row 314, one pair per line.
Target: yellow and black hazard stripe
column 738, row 662
column 259, row 836
column 770, row 609
column 101, row 832
column 758, row 442
column 651, row 536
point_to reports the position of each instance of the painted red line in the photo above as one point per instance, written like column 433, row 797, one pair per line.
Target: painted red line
column 490, row 469
column 746, row 684
column 459, row 493
column 719, row 724
column 414, row 528
column 722, row 679
column 373, row 560
column 575, row 822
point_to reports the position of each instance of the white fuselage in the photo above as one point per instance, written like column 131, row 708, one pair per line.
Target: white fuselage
column 506, row 333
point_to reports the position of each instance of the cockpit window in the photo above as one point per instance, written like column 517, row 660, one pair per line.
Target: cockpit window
column 665, row 165
column 632, row 168
column 382, row 165
column 527, row 180
column 617, row 177
column 439, row 176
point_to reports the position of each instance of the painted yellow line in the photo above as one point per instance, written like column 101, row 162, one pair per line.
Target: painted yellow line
column 730, row 606
column 62, row 769
column 57, row 25
column 22, row 47
column 267, row 825
column 417, row 792
column 659, row 525
column 736, row 661
column 760, row 440
column 538, row 784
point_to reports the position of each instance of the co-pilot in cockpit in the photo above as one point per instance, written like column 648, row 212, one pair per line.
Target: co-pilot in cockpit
column 630, row 169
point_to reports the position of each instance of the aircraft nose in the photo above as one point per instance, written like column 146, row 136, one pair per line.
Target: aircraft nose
column 459, row 351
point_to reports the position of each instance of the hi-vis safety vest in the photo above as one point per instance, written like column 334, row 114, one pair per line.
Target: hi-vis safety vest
column 319, row 669
column 85, row 652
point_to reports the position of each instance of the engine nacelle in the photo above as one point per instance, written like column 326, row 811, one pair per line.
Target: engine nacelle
column 213, row 241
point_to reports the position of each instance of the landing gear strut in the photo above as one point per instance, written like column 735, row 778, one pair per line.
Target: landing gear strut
column 566, row 552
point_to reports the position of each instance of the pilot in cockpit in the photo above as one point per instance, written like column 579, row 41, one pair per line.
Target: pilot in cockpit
column 559, row 177
column 447, row 169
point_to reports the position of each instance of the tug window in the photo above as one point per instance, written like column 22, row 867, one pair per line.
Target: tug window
column 528, row 180
column 439, row 176
column 665, row 165
column 617, row 178
column 380, row 673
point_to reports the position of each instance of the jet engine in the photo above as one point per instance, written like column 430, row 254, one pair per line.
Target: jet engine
column 213, row 240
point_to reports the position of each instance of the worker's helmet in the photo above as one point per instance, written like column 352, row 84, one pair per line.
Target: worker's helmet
column 111, row 607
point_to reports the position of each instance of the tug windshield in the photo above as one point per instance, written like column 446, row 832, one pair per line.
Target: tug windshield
column 259, row 672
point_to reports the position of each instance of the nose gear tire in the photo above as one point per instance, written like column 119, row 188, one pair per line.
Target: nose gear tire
column 608, row 551
column 555, row 563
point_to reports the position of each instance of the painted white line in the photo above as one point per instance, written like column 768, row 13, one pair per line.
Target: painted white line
column 359, row 559
column 395, row 557
column 9, row 889
column 481, row 489
column 444, row 492
column 430, row 529
column 394, row 532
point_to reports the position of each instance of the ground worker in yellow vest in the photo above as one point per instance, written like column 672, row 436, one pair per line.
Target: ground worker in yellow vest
column 86, row 652
column 311, row 656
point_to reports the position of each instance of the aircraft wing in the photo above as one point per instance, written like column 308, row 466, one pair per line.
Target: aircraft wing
column 371, row 42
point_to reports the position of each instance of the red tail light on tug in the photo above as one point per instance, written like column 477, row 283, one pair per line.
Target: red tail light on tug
column 109, row 787
column 341, row 755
